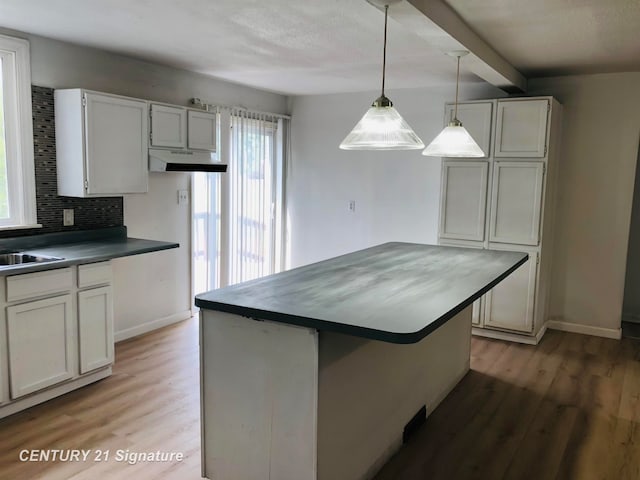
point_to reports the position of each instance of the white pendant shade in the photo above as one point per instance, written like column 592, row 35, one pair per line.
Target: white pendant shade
column 453, row 141
column 382, row 128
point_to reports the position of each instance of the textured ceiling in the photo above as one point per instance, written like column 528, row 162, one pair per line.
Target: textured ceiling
column 293, row 47
column 558, row 37
column 325, row 46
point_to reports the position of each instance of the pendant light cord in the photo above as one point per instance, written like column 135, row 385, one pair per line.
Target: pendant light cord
column 455, row 113
column 384, row 48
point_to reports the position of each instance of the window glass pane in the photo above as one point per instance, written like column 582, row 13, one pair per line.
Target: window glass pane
column 4, row 197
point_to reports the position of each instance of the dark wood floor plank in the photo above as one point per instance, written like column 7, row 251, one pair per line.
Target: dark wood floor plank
column 566, row 409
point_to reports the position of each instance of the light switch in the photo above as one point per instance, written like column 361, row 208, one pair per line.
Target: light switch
column 183, row 197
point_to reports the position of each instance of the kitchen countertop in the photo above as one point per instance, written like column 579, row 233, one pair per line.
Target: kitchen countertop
column 77, row 248
column 394, row 292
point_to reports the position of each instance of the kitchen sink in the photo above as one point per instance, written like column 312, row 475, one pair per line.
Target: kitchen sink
column 8, row 259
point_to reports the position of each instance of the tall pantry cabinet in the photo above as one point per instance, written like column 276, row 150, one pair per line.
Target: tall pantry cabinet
column 505, row 201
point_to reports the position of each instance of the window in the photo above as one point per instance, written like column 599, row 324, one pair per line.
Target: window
column 238, row 224
column 17, row 178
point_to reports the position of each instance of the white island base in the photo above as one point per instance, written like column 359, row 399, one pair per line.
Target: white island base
column 291, row 403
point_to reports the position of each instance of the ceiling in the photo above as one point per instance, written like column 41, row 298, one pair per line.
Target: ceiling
column 558, row 37
column 327, row 46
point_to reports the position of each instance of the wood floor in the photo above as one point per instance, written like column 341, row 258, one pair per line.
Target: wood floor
column 567, row 409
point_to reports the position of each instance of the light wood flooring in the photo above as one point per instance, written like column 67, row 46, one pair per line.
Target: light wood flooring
column 567, row 409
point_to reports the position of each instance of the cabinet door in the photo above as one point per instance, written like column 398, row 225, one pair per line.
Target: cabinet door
column 521, row 130
column 95, row 320
column 202, row 130
column 116, row 145
column 516, row 201
column 168, row 126
column 41, row 344
column 463, row 200
column 510, row 304
column 4, row 359
column 476, row 118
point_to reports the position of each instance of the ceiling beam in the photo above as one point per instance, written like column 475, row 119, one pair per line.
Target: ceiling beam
column 452, row 33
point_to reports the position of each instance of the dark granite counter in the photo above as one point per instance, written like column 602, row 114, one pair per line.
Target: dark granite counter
column 395, row 292
column 76, row 248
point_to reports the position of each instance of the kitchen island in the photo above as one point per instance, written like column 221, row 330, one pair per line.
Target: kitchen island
column 319, row 371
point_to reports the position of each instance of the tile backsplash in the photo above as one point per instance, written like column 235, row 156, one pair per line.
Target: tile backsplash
column 89, row 213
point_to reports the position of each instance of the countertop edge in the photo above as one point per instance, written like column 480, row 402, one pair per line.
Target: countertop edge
column 67, row 262
column 326, row 325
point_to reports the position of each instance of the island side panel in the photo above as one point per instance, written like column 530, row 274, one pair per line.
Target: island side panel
column 369, row 390
column 259, row 398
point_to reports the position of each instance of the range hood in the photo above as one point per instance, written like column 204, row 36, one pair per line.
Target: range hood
column 183, row 161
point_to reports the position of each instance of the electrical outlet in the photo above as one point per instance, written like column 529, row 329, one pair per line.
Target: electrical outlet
column 67, row 217
column 352, row 205
column 183, row 197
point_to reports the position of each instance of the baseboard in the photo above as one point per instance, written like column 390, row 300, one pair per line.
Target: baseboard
column 615, row 333
column 152, row 325
column 508, row 336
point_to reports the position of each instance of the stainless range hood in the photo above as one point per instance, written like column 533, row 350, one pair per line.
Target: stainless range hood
column 183, row 161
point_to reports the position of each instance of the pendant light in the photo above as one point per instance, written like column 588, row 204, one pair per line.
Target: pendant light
column 382, row 127
column 454, row 140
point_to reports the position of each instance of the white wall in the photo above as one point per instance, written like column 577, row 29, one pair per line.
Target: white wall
column 601, row 129
column 151, row 287
column 397, row 194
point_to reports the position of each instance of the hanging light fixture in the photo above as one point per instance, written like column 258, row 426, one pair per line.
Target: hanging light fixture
column 454, row 140
column 382, row 127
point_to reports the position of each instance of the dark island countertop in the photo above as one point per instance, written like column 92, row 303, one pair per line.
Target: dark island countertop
column 76, row 248
column 395, row 292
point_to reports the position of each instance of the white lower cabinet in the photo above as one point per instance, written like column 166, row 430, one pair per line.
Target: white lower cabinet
column 4, row 359
column 95, row 322
column 477, row 312
column 56, row 333
column 42, row 349
column 510, row 304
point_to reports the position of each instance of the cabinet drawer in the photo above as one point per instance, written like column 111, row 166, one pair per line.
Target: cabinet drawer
column 94, row 274
column 38, row 284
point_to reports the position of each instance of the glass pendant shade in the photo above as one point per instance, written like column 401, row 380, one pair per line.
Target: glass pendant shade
column 382, row 128
column 453, row 141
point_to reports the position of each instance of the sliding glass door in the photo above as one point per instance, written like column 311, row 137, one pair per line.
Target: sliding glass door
column 238, row 216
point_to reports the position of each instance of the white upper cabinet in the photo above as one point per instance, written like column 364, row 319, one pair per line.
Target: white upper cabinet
column 516, row 201
column 464, row 190
column 101, row 145
column 476, row 118
column 168, row 126
column 510, row 304
column 521, row 129
column 180, row 128
column 202, row 130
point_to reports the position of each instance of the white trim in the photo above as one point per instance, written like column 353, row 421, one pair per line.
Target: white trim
column 152, row 325
column 19, row 227
column 16, row 75
column 44, row 395
column 510, row 337
column 615, row 333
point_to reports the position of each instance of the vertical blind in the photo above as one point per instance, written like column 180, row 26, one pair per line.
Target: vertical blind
column 238, row 223
column 252, row 195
